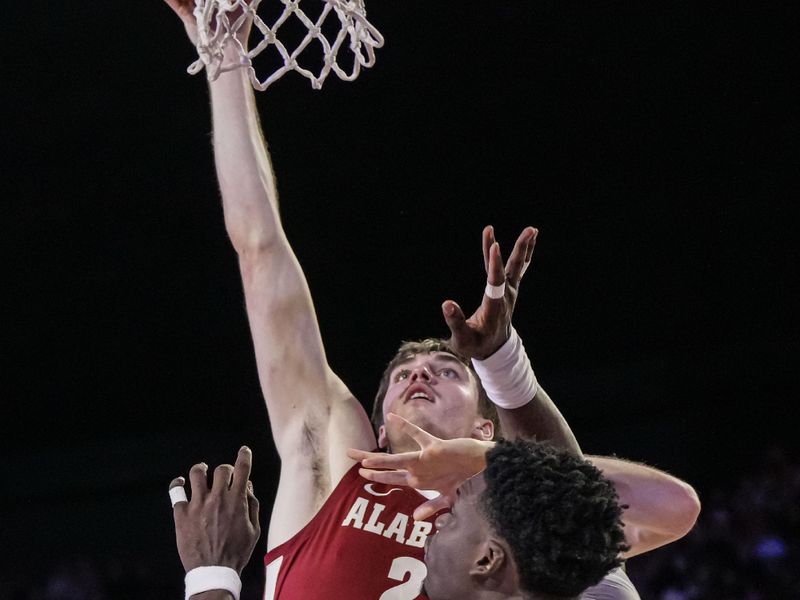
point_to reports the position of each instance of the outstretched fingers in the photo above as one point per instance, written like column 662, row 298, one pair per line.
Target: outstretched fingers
column 360, row 455
column 493, row 301
column 398, row 477
column 198, row 478
column 183, row 8
column 422, row 437
column 492, row 259
column 222, row 479
column 521, row 256
column 431, row 507
column 495, row 274
column 241, row 470
column 382, row 460
column 487, row 237
column 177, row 495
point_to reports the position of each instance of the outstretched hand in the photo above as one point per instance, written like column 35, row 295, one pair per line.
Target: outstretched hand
column 440, row 465
column 482, row 334
column 218, row 527
column 185, row 11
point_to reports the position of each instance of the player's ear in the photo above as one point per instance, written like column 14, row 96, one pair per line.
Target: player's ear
column 383, row 441
column 484, row 430
column 491, row 559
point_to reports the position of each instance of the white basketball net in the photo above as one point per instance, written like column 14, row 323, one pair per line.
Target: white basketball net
column 219, row 22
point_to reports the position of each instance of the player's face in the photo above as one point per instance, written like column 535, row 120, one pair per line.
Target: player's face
column 437, row 393
column 459, row 546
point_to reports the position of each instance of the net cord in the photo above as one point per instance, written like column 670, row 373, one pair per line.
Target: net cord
column 215, row 30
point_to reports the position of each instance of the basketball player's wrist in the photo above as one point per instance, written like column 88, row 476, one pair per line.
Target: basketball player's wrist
column 212, row 583
column 214, row 595
column 507, row 375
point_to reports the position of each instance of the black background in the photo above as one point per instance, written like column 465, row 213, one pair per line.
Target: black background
column 651, row 144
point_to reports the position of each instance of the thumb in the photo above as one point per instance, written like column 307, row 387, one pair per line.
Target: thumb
column 431, row 507
column 454, row 317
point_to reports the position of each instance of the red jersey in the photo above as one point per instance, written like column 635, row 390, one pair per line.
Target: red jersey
column 363, row 544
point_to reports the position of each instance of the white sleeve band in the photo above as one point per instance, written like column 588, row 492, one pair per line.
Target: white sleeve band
column 507, row 375
column 177, row 494
column 203, row 579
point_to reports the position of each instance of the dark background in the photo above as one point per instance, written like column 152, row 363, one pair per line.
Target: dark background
column 651, row 145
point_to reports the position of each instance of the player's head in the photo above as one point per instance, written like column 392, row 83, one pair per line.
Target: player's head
column 538, row 522
column 431, row 385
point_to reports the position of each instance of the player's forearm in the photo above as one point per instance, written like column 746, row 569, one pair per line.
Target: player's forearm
column 244, row 170
column 524, row 408
column 657, row 501
column 539, row 419
column 278, row 299
column 288, row 345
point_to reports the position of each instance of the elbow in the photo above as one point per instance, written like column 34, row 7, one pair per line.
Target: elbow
column 687, row 508
column 251, row 234
column 255, row 244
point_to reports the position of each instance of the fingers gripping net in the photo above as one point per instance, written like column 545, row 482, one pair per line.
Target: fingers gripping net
column 225, row 23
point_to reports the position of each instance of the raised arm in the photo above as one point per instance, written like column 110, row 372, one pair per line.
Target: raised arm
column 314, row 417
column 488, row 338
column 661, row 508
column 217, row 530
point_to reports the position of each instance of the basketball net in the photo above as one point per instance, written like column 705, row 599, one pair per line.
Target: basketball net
column 219, row 22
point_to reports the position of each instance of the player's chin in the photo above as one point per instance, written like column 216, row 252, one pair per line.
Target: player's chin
column 420, row 418
column 421, row 412
column 430, row 590
column 428, row 581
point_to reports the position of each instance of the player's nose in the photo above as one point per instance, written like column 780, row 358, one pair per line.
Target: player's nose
column 442, row 520
column 420, row 372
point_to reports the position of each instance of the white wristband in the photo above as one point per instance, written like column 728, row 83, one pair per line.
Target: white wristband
column 507, row 375
column 203, row 579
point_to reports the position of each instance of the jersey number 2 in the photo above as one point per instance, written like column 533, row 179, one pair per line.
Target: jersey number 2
column 401, row 566
column 408, row 590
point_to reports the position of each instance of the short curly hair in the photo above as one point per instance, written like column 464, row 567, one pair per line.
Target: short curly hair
column 559, row 515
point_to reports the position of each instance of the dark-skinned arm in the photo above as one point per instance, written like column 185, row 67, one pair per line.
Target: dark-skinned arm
column 217, row 527
column 489, row 328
